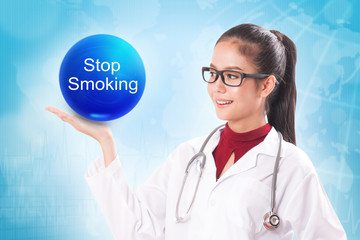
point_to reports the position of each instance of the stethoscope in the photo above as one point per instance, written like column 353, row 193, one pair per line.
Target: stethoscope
column 271, row 219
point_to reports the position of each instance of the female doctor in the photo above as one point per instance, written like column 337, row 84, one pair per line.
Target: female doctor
column 248, row 181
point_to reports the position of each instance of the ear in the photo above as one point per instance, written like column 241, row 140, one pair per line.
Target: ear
column 267, row 86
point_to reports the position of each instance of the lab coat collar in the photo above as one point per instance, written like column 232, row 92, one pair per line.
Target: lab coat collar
column 267, row 147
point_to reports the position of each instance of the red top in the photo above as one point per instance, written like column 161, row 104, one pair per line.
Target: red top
column 240, row 143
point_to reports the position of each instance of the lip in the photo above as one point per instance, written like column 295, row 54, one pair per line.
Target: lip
column 223, row 105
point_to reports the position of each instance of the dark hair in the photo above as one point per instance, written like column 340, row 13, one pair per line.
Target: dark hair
column 272, row 53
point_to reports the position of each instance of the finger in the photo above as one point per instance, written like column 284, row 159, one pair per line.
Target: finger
column 61, row 114
column 54, row 110
column 51, row 109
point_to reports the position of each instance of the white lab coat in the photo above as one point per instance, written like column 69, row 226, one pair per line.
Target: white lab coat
column 231, row 208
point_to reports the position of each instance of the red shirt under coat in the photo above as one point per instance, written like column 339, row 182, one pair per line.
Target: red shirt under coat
column 239, row 143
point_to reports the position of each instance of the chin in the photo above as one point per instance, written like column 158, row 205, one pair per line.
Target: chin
column 222, row 116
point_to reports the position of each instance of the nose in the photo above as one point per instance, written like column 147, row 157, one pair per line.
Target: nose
column 219, row 85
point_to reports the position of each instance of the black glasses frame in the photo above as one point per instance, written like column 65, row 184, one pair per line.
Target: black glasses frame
column 220, row 73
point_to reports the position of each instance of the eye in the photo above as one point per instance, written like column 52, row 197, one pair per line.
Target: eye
column 212, row 73
column 231, row 76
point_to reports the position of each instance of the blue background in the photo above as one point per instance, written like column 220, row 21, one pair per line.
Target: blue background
column 42, row 160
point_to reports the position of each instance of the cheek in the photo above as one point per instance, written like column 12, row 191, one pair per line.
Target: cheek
column 245, row 95
column 239, row 94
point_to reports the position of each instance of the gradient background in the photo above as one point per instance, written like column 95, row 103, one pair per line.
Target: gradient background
column 43, row 194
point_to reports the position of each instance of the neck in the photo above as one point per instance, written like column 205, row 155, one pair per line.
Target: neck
column 241, row 126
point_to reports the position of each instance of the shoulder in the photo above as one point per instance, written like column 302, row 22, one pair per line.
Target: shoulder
column 296, row 175
column 296, row 160
column 193, row 145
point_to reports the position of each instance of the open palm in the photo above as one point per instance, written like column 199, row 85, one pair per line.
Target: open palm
column 96, row 130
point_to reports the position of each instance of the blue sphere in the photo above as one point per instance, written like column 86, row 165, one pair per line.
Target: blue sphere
column 102, row 77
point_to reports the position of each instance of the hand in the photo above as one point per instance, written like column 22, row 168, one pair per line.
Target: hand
column 99, row 131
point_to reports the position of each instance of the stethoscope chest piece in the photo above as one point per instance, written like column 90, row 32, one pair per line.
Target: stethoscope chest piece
column 271, row 221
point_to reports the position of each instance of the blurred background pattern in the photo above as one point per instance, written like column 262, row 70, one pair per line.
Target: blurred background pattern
column 43, row 194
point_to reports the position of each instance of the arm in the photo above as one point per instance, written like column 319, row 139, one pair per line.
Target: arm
column 129, row 215
column 139, row 215
column 108, row 148
column 310, row 212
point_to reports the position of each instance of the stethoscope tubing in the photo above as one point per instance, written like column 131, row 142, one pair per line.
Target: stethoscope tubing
column 202, row 155
column 274, row 178
column 202, row 165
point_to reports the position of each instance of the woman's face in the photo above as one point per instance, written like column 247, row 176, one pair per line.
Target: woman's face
column 238, row 105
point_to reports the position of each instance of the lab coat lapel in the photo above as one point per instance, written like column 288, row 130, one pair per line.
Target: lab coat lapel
column 245, row 163
column 210, row 167
column 268, row 147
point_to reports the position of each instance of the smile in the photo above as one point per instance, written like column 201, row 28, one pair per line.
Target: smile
column 220, row 102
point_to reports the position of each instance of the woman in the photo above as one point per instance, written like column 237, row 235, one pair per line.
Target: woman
column 251, row 77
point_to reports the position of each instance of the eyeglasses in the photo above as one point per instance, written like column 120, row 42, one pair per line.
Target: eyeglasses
column 229, row 77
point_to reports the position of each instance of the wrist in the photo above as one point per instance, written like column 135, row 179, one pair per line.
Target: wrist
column 108, row 147
column 105, row 138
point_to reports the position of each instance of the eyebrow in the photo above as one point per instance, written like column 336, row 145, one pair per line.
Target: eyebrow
column 227, row 68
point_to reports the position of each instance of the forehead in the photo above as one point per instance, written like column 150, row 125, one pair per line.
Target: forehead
column 234, row 53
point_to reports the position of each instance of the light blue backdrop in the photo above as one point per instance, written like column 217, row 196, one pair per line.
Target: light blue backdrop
column 42, row 161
